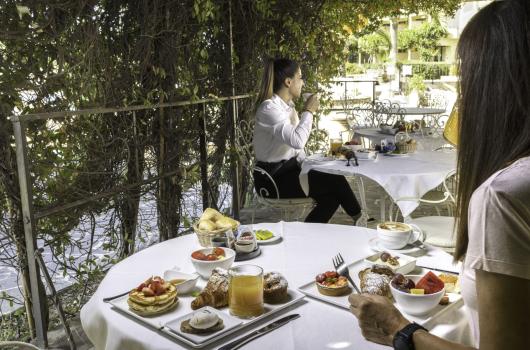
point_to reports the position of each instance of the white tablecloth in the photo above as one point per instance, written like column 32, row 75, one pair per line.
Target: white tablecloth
column 305, row 251
column 410, row 176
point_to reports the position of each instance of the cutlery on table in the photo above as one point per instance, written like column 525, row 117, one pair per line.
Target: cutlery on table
column 236, row 344
column 439, row 270
column 107, row 299
column 342, row 269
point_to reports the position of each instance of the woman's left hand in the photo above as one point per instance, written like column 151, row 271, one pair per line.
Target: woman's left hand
column 378, row 318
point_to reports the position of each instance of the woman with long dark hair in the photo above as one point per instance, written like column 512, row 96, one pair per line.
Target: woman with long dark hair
column 493, row 192
column 279, row 140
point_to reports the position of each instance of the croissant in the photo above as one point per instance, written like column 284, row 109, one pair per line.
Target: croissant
column 215, row 294
column 375, row 280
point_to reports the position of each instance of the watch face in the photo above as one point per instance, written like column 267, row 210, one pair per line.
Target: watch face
column 400, row 342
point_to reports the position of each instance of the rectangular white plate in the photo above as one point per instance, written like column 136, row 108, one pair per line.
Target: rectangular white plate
column 310, row 289
column 183, row 308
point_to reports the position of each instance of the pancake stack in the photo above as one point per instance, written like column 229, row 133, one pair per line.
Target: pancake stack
column 153, row 297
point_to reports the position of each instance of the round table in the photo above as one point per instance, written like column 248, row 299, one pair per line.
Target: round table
column 306, row 250
column 409, row 176
column 425, row 142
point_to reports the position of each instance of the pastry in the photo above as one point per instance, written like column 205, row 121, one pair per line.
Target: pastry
column 215, row 293
column 331, row 284
column 153, row 297
column 212, row 220
column 375, row 280
column 274, row 287
column 201, row 322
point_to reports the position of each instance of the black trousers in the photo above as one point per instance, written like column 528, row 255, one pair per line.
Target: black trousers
column 328, row 190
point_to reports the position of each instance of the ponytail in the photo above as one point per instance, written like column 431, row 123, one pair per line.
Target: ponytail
column 274, row 75
column 266, row 87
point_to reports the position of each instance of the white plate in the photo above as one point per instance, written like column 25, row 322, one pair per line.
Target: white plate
column 376, row 246
column 184, row 309
column 228, row 321
column 274, row 239
column 310, row 289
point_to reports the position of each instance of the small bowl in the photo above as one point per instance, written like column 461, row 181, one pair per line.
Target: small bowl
column 414, row 304
column 188, row 280
column 205, row 267
column 365, row 154
column 245, row 246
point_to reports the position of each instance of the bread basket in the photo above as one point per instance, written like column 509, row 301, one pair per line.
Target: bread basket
column 404, row 143
column 406, row 147
column 205, row 237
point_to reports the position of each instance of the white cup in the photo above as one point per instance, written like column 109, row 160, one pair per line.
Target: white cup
column 306, row 95
column 396, row 235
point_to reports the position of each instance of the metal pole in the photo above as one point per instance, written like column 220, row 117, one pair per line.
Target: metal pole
column 26, row 198
column 234, row 160
column 204, row 158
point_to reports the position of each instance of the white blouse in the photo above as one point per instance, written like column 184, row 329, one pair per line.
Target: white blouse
column 278, row 133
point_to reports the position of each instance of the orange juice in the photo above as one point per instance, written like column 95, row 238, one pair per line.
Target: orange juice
column 335, row 145
column 245, row 295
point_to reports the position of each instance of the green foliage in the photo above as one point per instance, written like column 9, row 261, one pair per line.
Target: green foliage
column 354, row 68
column 424, row 39
column 375, row 44
column 416, row 83
column 429, row 70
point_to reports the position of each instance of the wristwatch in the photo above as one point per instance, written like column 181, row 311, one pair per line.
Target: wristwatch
column 403, row 338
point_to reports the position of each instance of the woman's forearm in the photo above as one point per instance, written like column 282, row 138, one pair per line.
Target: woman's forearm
column 426, row 341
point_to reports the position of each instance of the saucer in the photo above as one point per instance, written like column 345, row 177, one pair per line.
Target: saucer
column 374, row 245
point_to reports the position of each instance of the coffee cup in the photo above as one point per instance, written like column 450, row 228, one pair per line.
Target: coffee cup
column 396, row 235
column 306, row 95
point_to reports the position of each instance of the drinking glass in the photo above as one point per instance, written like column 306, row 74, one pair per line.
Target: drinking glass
column 334, row 146
column 245, row 291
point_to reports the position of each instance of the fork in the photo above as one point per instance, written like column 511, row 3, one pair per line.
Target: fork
column 342, row 269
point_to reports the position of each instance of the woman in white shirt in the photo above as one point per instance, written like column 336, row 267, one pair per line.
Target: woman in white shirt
column 279, row 141
column 493, row 212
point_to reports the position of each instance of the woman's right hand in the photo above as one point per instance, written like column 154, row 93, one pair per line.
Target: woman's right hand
column 312, row 104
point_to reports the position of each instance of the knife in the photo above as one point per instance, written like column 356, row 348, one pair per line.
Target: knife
column 106, row 300
column 236, row 344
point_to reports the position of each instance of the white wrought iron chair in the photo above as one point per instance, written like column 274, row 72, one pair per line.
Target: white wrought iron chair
column 438, row 229
column 261, row 196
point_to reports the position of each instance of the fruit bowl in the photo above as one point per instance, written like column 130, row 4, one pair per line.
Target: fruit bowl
column 414, row 304
column 205, row 267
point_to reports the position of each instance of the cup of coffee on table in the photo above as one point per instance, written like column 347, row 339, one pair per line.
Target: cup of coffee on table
column 396, row 235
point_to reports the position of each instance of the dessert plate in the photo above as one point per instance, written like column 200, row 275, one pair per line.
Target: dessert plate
column 274, row 239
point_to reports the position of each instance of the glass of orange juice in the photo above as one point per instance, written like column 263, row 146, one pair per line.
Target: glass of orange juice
column 334, row 146
column 245, row 291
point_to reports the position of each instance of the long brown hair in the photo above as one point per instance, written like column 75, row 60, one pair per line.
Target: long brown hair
column 494, row 100
column 274, row 74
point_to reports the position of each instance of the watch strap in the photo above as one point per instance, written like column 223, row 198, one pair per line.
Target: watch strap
column 403, row 338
